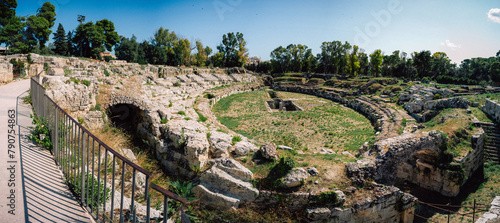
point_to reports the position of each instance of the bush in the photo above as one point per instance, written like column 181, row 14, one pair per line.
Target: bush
column 86, row 83
column 329, row 198
column 236, row 139
column 374, row 88
column 106, row 72
column 181, row 113
column 40, row 133
column 177, row 84
column 437, row 96
column 102, row 194
column 273, row 94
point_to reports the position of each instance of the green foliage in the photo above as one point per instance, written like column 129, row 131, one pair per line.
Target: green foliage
column 185, row 190
column 209, row 95
column 437, row 96
column 201, row 118
column 7, row 11
column 170, row 104
column 97, row 107
column 403, row 122
column 19, row 69
column 27, row 99
column 273, row 94
column 86, row 83
column 164, row 121
column 177, row 84
column 181, row 113
column 329, row 198
column 106, row 72
column 233, row 50
column 81, row 120
column 235, row 139
column 92, row 184
column 61, row 41
column 40, row 132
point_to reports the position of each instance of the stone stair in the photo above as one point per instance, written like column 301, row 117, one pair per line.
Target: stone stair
column 225, row 185
column 492, row 145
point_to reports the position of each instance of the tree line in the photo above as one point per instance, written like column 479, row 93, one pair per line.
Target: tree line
column 342, row 58
column 30, row 34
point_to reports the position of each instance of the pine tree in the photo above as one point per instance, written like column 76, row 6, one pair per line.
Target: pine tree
column 61, row 41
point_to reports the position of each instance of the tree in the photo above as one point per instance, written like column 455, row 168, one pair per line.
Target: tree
column 440, row 64
column 7, row 11
column 233, row 50
column 354, row 64
column 89, row 40
column 48, row 12
column 376, row 62
column 111, row 37
column 38, row 28
column 495, row 71
column 201, row 55
column 71, row 47
column 61, row 41
column 128, row 49
column 182, row 52
column 279, row 60
column 364, row 65
column 217, row 60
column 422, row 62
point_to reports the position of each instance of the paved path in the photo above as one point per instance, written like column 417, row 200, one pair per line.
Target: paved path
column 36, row 186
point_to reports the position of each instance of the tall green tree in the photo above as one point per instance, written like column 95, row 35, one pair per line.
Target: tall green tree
column 128, row 49
column 364, row 64
column 422, row 62
column 200, row 58
column 88, row 39
column 280, row 58
column 111, row 37
column 182, row 53
column 15, row 36
column 61, row 41
column 233, row 50
column 376, row 62
column 48, row 12
column 354, row 64
column 7, row 11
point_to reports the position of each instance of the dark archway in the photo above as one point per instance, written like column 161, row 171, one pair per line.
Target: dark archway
column 126, row 117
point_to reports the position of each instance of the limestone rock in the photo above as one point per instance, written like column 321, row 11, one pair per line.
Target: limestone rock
column 54, row 71
column 69, row 95
column 295, row 177
column 190, row 134
column 284, row 147
column 234, row 168
column 268, row 151
column 242, row 148
column 340, row 196
column 312, row 171
column 318, row 214
column 6, row 74
column 94, row 119
column 220, row 144
column 216, row 200
column 129, row 154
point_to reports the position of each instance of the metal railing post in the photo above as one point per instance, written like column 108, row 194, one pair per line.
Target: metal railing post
column 82, row 173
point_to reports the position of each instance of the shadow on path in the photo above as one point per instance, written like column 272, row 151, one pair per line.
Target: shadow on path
column 47, row 197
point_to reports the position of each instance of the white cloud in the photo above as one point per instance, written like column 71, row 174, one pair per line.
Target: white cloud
column 494, row 15
column 451, row 45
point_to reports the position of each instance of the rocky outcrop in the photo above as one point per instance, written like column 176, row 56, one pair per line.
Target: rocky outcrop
column 493, row 215
column 492, row 108
column 389, row 205
column 6, row 73
column 413, row 157
column 268, row 151
column 296, row 177
column 225, row 185
column 72, row 94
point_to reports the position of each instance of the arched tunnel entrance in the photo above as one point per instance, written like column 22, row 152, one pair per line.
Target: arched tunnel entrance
column 126, row 117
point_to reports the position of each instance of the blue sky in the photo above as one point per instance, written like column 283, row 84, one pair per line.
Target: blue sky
column 461, row 28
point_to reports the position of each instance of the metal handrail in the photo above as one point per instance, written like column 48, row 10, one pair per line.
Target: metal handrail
column 74, row 149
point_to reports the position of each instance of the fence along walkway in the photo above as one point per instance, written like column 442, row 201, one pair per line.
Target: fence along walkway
column 94, row 171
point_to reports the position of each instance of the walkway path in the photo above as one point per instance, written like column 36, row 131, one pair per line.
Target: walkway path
column 36, row 187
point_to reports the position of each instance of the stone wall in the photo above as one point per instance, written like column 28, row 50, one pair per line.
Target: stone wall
column 6, row 73
column 492, row 108
column 389, row 205
column 493, row 215
column 376, row 117
column 411, row 157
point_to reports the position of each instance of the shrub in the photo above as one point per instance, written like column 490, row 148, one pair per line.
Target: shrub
column 374, row 88
column 236, row 139
column 106, row 72
column 177, row 84
column 181, row 113
column 210, row 95
column 326, row 198
column 40, row 133
column 273, row 94
column 102, row 194
column 164, row 121
column 86, row 83
column 437, row 96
